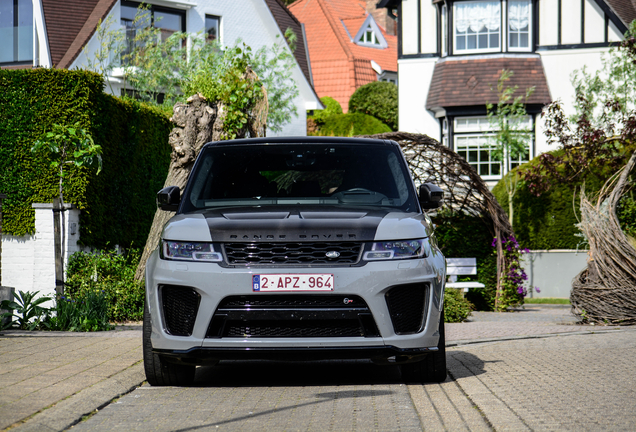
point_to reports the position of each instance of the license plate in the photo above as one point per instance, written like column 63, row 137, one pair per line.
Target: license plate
column 292, row 282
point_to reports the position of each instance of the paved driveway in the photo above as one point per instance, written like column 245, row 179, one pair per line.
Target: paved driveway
column 531, row 370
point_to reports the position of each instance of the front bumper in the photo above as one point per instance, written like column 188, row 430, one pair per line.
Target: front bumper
column 371, row 283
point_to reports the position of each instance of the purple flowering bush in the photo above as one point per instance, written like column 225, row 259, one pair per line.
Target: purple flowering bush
column 513, row 277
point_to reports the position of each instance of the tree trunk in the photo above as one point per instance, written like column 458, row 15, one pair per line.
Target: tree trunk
column 197, row 122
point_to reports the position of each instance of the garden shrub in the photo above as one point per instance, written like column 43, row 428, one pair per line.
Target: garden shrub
column 549, row 221
column 460, row 235
column 378, row 99
column 114, row 275
column 332, row 106
column 346, row 125
column 456, row 307
column 118, row 204
column 86, row 312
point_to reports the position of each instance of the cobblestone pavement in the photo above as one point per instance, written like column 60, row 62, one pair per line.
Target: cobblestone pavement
column 529, row 370
column 577, row 383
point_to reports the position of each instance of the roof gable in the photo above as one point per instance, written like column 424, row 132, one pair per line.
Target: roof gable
column 624, row 9
column 285, row 19
column 370, row 24
column 69, row 27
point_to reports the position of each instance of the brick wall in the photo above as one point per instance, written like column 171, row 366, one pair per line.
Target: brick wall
column 28, row 262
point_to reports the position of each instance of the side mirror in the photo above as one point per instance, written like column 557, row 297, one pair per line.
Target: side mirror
column 168, row 198
column 431, row 196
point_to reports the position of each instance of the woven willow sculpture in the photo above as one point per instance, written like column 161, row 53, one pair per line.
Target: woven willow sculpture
column 464, row 189
column 605, row 291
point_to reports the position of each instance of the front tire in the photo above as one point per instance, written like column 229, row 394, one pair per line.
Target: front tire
column 158, row 371
column 433, row 367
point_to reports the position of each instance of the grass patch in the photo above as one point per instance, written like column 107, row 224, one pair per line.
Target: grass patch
column 547, row 300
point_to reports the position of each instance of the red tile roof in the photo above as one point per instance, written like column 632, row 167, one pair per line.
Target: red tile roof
column 474, row 82
column 69, row 26
column 339, row 66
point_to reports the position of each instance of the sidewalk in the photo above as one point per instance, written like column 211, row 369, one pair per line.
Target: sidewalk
column 49, row 380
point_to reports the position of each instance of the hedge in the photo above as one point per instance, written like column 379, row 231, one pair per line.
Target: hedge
column 378, row 99
column 549, row 221
column 460, row 235
column 118, row 204
column 345, row 125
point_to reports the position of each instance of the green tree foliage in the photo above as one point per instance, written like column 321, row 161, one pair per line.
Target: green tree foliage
column 510, row 138
column 348, row 125
column 166, row 71
column 378, row 99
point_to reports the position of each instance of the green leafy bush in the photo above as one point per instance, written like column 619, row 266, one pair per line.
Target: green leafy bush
column 25, row 307
column 87, row 312
column 118, row 204
column 378, row 99
column 627, row 214
column 332, row 106
column 114, row 275
column 456, row 307
column 549, row 221
column 460, row 235
column 346, row 125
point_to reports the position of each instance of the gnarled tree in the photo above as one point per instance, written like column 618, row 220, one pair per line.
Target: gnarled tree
column 197, row 122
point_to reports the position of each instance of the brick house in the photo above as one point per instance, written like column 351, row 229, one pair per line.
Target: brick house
column 350, row 43
column 451, row 52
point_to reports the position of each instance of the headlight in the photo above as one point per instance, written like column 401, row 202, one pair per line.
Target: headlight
column 400, row 249
column 189, row 251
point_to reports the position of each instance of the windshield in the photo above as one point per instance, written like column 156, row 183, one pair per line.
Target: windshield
column 304, row 173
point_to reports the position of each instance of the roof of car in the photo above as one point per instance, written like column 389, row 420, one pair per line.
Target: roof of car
column 304, row 139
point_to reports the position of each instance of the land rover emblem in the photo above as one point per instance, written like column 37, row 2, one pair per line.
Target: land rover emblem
column 332, row 254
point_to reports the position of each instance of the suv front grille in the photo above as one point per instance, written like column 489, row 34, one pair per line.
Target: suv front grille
column 274, row 316
column 407, row 307
column 258, row 253
column 180, row 306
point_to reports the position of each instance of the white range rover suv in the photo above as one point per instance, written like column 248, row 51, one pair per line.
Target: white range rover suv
column 305, row 248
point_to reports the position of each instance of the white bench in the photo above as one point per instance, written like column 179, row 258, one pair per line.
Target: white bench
column 461, row 267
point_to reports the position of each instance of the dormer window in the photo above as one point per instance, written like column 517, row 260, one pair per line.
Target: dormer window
column 370, row 35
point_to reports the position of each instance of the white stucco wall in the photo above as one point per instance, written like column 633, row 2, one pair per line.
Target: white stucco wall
column 28, row 262
column 415, row 79
column 594, row 22
column 429, row 27
column 552, row 271
column 409, row 26
column 247, row 20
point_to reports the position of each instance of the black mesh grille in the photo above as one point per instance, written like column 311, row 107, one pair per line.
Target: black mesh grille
column 270, row 316
column 180, row 307
column 407, row 306
column 298, row 301
column 273, row 328
column 292, row 253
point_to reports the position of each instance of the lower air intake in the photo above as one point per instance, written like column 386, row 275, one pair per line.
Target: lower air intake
column 180, row 307
column 407, row 307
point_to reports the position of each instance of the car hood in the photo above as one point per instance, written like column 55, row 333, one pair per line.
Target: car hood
column 296, row 224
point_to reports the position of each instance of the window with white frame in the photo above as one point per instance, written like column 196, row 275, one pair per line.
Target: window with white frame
column 16, row 31
column 473, row 138
column 477, row 26
column 519, row 23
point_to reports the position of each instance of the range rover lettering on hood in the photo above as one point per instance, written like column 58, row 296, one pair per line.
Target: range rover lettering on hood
column 293, row 225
